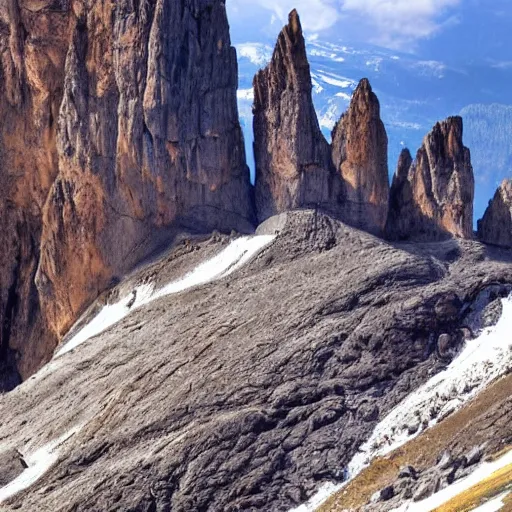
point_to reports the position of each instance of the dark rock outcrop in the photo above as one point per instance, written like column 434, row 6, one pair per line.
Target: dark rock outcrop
column 293, row 162
column 435, row 198
column 496, row 225
column 119, row 122
column 401, row 198
column 360, row 155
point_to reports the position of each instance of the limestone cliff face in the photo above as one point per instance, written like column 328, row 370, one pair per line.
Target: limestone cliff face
column 119, row 121
column 496, row 225
column 437, row 201
column 359, row 152
column 293, row 162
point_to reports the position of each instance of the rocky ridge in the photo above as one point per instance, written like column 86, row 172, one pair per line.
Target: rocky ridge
column 116, row 129
column 434, row 198
column 496, row 225
column 216, row 398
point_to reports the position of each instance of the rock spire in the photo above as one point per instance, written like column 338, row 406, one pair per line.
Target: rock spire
column 293, row 161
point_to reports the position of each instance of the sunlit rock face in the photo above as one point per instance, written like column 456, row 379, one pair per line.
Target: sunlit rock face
column 119, row 121
column 360, row 155
column 293, row 162
column 496, row 225
column 435, row 200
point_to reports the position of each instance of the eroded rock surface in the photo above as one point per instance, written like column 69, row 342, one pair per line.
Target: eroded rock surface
column 437, row 201
column 496, row 224
column 360, row 155
column 119, row 121
column 438, row 458
column 250, row 392
column 293, row 162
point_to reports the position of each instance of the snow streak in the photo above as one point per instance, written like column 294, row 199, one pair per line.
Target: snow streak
column 234, row 256
column 38, row 464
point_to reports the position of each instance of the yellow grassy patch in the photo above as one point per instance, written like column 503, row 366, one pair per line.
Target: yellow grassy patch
column 493, row 486
column 422, row 452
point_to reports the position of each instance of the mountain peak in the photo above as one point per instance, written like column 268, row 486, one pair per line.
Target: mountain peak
column 438, row 202
column 496, row 225
column 359, row 149
column 294, row 22
column 293, row 160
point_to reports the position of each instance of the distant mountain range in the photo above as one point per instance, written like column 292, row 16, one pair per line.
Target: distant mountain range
column 414, row 94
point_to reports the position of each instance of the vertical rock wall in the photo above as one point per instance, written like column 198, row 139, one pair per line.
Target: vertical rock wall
column 119, row 122
column 360, row 155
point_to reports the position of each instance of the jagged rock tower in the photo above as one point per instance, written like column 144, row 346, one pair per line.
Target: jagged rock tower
column 119, row 121
column 360, row 155
column 293, row 161
column 433, row 199
column 496, row 225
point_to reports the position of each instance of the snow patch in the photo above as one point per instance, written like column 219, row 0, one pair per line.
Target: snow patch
column 38, row 464
column 317, row 88
column 325, row 492
column 484, row 471
column 344, row 83
column 374, row 63
column 245, row 94
column 344, row 96
column 237, row 253
column 494, row 505
column 109, row 316
column 327, row 55
column 257, row 53
column 481, row 361
column 431, row 67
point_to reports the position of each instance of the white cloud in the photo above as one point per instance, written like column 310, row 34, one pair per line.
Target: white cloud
column 391, row 23
column 400, row 22
column 505, row 64
column 316, row 15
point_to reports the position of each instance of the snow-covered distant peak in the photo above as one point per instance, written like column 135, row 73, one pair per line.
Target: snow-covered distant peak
column 374, row 63
column 430, row 67
column 245, row 94
column 316, row 52
column 258, row 54
column 334, row 80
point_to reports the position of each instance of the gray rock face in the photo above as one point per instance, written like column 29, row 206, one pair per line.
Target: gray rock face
column 119, row 122
column 435, row 200
column 233, row 395
column 293, row 161
column 496, row 225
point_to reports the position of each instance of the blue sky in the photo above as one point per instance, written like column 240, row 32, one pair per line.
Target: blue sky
column 450, row 30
